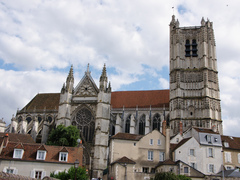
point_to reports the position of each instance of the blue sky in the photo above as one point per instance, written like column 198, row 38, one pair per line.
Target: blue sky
column 40, row 40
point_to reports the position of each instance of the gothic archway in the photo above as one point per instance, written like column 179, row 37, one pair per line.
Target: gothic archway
column 127, row 124
column 142, row 123
column 85, row 122
column 157, row 122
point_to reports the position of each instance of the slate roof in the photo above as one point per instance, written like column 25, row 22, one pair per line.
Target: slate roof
column 142, row 99
column 48, row 101
column 166, row 162
column 203, row 130
column 30, row 152
column 173, row 147
column 233, row 142
column 7, row 176
column 13, row 137
column 124, row 160
column 127, row 136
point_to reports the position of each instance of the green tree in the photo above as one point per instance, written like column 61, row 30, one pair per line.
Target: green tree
column 170, row 176
column 81, row 174
column 64, row 136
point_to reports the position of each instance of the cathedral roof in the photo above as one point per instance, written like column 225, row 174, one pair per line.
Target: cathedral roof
column 47, row 101
column 141, row 99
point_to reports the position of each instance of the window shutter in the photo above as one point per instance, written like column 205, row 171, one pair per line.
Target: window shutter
column 213, row 152
column 32, row 174
column 207, row 152
column 5, row 170
column 15, row 171
column 43, row 174
column 238, row 157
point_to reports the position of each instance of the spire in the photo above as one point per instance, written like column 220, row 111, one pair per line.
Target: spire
column 70, row 80
column 104, row 73
column 103, row 79
column 88, row 72
column 173, row 20
column 202, row 22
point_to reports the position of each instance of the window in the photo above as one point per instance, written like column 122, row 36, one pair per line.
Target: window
column 238, row 157
column 153, row 170
column 191, row 48
column 191, row 152
column 145, row 169
column 226, row 144
column 157, row 122
column 10, row 171
column 210, row 152
column 159, row 142
column 41, row 155
column 185, row 169
column 151, row 142
column 63, row 156
column 150, row 155
column 142, row 123
column 229, row 168
column 209, row 139
column 38, row 174
column 18, row 153
column 211, row 168
column 228, row 157
column 161, row 156
column 127, row 125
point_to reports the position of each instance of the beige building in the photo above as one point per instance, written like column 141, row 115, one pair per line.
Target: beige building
column 231, row 152
column 144, row 153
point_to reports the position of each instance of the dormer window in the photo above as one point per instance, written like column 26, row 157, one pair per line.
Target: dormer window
column 18, row 153
column 209, row 139
column 41, row 155
column 226, row 144
column 63, row 156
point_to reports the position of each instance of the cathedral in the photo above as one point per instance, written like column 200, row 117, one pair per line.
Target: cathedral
column 191, row 100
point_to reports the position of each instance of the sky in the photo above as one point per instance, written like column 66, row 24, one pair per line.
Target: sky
column 41, row 39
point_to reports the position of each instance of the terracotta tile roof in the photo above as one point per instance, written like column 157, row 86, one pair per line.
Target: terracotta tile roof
column 180, row 143
column 13, row 137
column 142, row 99
column 233, row 142
column 42, row 147
column 203, row 130
column 127, row 136
column 19, row 146
column 48, row 101
column 30, row 152
column 166, row 162
column 124, row 160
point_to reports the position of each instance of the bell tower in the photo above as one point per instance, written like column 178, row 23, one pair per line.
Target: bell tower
column 194, row 87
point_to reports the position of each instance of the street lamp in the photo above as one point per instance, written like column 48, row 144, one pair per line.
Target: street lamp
column 76, row 164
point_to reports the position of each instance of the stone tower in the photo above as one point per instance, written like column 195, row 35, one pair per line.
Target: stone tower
column 102, row 125
column 194, row 87
column 64, row 112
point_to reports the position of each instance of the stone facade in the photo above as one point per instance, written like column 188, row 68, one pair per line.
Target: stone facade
column 194, row 87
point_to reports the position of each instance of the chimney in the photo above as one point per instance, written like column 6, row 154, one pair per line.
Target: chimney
column 164, row 124
column 5, row 140
column 167, row 141
column 180, row 128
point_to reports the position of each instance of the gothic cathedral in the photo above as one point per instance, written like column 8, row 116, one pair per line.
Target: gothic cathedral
column 192, row 100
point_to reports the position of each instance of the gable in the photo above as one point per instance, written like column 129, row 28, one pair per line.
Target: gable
column 86, row 87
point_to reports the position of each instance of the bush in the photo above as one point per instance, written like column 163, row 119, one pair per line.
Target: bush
column 81, row 174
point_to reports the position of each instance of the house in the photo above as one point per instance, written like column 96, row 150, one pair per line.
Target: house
column 36, row 160
column 201, row 149
column 231, row 152
column 136, row 155
column 179, row 168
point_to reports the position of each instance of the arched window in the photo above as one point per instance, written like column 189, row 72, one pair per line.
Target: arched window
column 85, row 122
column 49, row 119
column 19, row 119
column 127, row 125
column 28, row 119
column 39, row 119
column 194, row 48
column 142, row 123
column 157, row 122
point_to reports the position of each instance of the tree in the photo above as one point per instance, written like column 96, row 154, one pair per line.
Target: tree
column 64, row 136
column 170, row 176
column 81, row 174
